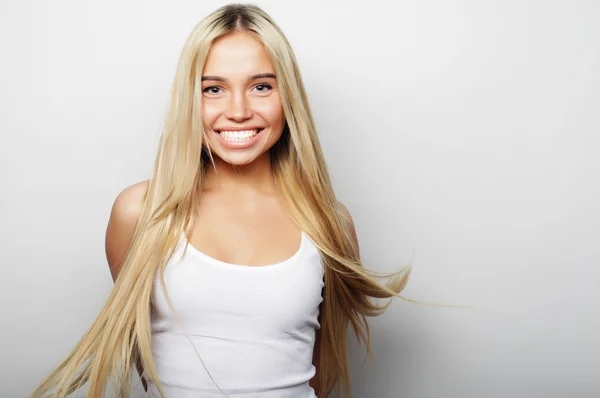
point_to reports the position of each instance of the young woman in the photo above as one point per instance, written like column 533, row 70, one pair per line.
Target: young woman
column 237, row 271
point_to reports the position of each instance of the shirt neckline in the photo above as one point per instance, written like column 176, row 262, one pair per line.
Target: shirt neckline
column 193, row 250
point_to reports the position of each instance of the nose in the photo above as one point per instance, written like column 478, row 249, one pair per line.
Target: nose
column 237, row 108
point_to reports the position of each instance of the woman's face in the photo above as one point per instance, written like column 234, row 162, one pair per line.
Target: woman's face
column 241, row 107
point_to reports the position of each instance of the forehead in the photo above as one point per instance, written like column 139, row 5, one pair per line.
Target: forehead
column 237, row 54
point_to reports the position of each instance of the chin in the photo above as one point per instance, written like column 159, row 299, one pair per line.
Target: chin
column 239, row 159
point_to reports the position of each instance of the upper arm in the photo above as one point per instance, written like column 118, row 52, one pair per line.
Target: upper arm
column 350, row 224
column 315, row 381
column 121, row 225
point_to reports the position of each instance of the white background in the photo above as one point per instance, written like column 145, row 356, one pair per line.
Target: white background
column 464, row 136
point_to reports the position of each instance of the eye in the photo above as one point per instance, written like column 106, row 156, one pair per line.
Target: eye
column 212, row 90
column 263, row 88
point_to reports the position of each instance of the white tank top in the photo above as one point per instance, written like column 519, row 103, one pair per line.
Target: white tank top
column 253, row 326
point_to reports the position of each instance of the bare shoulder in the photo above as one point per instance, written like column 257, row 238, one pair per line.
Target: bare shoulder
column 124, row 214
column 349, row 222
column 347, row 216
column 345, row 212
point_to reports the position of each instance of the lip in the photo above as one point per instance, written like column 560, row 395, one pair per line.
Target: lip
column 239, row 128
column 239, row 145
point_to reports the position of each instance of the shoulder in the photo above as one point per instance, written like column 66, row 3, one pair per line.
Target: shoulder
column 123, row 218
column 349, row 222
column 129, row 201
column 345, row 212
column 347, row 217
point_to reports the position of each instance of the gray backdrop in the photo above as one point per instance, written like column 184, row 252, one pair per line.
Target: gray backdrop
column 461, row 135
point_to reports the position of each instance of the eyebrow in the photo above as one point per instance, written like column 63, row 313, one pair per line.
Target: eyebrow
column 253, row 77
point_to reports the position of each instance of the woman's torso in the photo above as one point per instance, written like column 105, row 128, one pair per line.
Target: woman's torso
column 253, row 326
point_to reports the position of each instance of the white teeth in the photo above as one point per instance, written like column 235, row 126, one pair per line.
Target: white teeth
column 238, row 135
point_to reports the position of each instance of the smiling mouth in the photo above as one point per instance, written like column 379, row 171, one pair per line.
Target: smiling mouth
column 239, row 135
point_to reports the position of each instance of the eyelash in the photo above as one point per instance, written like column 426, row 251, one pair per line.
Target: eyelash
column 267, row 86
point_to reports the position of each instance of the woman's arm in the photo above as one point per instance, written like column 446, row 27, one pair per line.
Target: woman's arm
column 121, row 225
column 315, row 381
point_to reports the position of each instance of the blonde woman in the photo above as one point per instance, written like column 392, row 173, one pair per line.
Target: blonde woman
column 237, row 272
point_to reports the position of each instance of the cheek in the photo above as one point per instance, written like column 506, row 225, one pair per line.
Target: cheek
column 210, row 112
column 272, row 112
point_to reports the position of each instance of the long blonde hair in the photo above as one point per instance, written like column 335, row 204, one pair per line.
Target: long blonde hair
column 120, row 336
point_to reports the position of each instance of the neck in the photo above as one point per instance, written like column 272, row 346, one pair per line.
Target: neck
column 228, row 179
